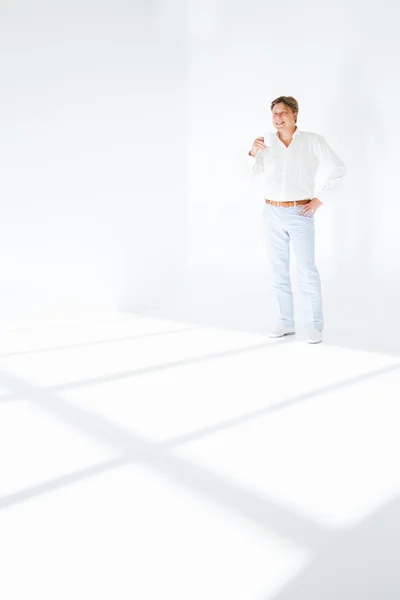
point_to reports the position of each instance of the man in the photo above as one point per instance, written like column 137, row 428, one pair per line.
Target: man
column 288, row 162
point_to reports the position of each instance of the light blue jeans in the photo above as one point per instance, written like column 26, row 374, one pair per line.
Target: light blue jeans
column 282, row 226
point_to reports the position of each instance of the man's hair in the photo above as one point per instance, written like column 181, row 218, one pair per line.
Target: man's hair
column 289, row 101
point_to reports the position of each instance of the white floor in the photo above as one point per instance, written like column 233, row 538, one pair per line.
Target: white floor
column 150, row 459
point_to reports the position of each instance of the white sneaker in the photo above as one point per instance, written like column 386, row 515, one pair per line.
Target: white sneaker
column 315, row 336
column 282, row 330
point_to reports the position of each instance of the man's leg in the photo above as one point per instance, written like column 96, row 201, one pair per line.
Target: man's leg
column 278, row 250
column 302, row 234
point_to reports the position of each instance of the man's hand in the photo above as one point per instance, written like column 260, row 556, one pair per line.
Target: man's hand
column 258, row 144
column 311, row 208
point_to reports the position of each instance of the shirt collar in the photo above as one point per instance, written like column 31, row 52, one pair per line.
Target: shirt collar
column 296, row 133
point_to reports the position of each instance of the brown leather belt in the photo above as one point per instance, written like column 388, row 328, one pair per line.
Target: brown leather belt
column 287, row 204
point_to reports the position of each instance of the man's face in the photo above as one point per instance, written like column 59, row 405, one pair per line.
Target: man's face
column 283, row 118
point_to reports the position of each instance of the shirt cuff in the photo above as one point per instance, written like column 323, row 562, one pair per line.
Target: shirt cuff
column 250, row 162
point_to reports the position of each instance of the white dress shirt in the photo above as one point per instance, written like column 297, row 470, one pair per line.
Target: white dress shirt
column 290, row 173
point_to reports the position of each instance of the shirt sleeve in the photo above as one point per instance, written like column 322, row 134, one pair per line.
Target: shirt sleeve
column 255, row 165
column 334, row 166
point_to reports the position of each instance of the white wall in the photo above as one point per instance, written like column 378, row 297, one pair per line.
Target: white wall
column 123, row 129
column 91, row 104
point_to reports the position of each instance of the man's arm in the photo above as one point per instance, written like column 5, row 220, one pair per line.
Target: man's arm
column 333, row 164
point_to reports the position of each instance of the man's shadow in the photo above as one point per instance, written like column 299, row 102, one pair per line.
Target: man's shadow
column 359, row 295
